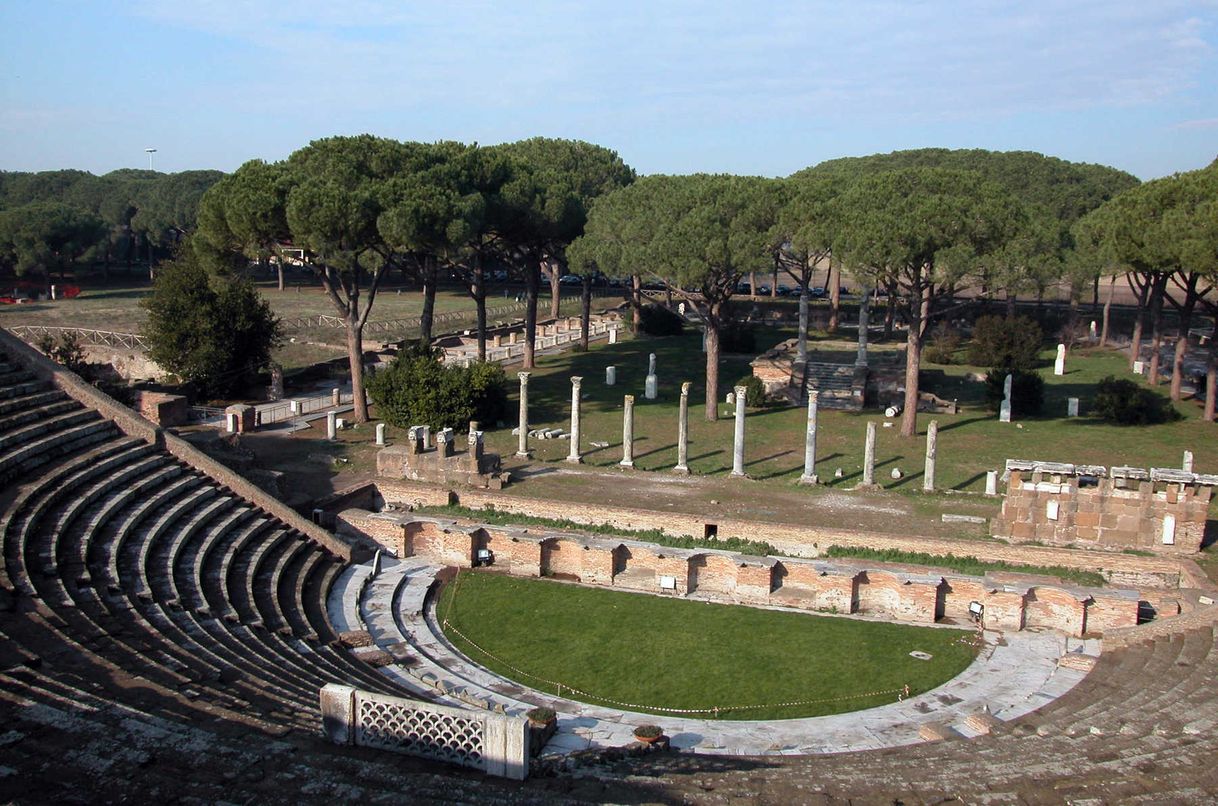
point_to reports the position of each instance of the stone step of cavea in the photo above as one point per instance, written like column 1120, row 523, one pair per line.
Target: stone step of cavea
column 982, row 723
column 936, row 732
column 1077, row 661
column 33, row 400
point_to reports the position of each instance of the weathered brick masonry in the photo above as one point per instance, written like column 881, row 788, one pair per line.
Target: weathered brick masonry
column 726, row 576
column 1159, row 510
column 803, row 541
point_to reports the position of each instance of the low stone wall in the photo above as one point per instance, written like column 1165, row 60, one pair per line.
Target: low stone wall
column 802, row 541
column 133, row 425
column 497, row 744
column 1159, row 510
column 847, row 588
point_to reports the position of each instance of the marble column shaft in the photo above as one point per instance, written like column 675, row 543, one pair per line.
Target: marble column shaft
column 869, row 457
column 932, row 451
column 809, row 476
column 574, row 456
column 627, row 431
column 683, row 430
column 522, row 445
column 738, row 440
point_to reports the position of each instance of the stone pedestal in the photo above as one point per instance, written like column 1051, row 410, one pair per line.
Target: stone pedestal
column 613, row 335
column 991, row 482
column 1059, row 365
column 380, row 434
column 331, row 425
column 809, row 474
column 1187, row 466
column 651, row 387
column 336, row 397
column 738, row 438
column 610, row 376
column 1072, row 407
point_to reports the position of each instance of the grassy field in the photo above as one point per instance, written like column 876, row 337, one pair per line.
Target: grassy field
column 970, row 443
column 669, row 653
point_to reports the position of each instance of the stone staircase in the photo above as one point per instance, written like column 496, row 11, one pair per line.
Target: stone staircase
column 835, row 385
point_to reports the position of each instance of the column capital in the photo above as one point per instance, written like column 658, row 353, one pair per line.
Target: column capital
column 523, row 376
column 576, row 380
column 628, row 400
column 685, row 387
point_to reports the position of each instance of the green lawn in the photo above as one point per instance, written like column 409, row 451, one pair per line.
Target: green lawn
column 970, row 443
column 655, row 652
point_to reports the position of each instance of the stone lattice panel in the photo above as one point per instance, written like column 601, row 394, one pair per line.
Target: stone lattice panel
column 421, row 732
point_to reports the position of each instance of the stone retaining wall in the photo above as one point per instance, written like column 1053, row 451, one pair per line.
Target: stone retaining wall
column 803, row 541
column 765, row 581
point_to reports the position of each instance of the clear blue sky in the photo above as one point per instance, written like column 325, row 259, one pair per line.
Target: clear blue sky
column 760, row 88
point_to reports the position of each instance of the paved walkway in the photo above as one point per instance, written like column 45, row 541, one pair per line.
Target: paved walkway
column 1014, row 674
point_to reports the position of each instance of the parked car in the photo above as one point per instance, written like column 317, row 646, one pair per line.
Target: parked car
column 817, row 292
column 763, row 290
column 570, row 279
column 784, row 290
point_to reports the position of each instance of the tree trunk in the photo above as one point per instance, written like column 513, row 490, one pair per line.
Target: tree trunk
column 833, row 283
column 555, row 270
column 1185, row 313
column 427, row 275
column 636, row 302
column 752, row 284
column 918, row 307
column 712, row 361
column 774, row 285
column 532, row 286
column 1010, row 305
column 478, row 289
column 1095, row 294
column 802, row 349
column 355, row 357
column 1157, row 291
column 585, row 313
column 1211, row 380
column 1072, row 319
column 1141, row 290
column 890, row 310
column 1107, row 312
column 279, row 267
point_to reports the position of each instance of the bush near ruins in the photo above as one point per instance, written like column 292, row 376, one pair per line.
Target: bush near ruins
column 754, row 390
column 944, row 342
column 208, row 327
column 656, row 320
column 1124, row 402
column 1027, row 391
column 416, row 389
column 66, row 351
column 1010, row 342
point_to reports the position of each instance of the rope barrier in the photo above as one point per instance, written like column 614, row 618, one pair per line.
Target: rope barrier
column 901, row 692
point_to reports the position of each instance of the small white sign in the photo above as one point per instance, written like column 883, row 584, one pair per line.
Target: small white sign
column 668, row 583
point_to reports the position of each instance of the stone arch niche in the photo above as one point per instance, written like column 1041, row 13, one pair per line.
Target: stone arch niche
column 424, row 539
column 637, row 570
column 712, row 573
column 878, row 592
column 1055, row 609
column 562, row 558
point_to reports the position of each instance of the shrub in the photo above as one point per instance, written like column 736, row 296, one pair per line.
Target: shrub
column 942, row 347
column 416, row 389
column 1027, row 391
column 656, row 320
column 754, row 390
column 66, row 351
column 1124, row 402
column 1005, row 342
column 737, row 337
column 648, row 732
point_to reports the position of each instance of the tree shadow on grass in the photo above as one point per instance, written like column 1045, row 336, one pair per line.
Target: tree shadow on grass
column 660, row 449
column 964, row 484
column 960, row 423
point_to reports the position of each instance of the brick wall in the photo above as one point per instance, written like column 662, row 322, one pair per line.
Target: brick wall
column 1110, row 514
column 805, row 584
column 798, row 541
column 162, row 408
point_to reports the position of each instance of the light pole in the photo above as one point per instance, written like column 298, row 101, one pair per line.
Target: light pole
column 150, row 152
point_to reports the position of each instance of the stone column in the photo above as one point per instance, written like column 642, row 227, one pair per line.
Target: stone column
column 1059, row 364
column 864, row 311
column 522, row 445
column 991, row 482
column 1188, row 462
column 683, row 432
column 651, row 383
column 610, row 376
column 809, row 476
column 627, row 432
column 738, row 441
column 380, row 434
column 574, row 456
column 336, row 397
column 331, row 425
column 869, row 457
column 932, row 450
